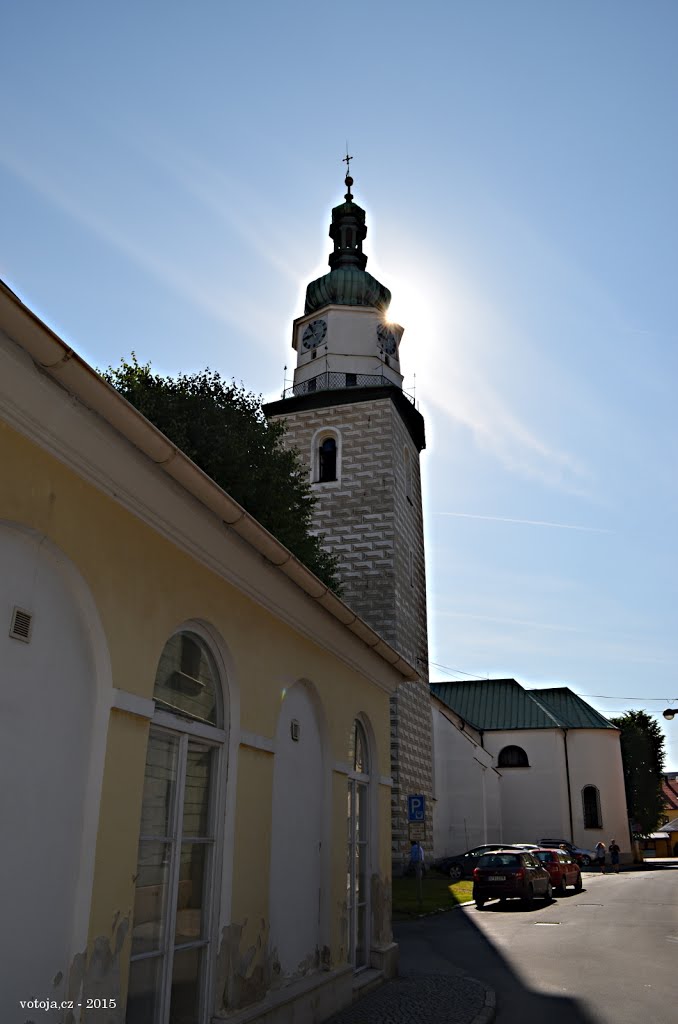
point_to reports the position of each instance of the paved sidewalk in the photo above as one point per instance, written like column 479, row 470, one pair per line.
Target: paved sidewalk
column 423, row 999
column 429, row 990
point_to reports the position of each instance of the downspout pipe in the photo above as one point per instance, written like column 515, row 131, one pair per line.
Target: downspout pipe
column 569, row 789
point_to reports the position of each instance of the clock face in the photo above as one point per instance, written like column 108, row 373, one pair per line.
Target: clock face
column 314, row 333
column 387, row 339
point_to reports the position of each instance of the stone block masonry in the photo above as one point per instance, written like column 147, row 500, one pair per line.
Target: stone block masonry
column 371, row 518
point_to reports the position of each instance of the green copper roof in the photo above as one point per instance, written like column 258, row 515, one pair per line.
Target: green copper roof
column 348, row 283
column 570, row 710
column 347, row 287
column 504, row 704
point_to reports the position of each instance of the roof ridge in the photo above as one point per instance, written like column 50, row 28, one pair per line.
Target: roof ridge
column 530, row 694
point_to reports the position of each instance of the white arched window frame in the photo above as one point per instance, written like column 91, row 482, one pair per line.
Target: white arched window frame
column 175, row 920
column 361, row 843
column 317, row 441
column 590, row 799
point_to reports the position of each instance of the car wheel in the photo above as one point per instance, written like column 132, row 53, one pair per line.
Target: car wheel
column 455, row 872
column 577, row 884
column 480, row 904
column 527, row 900
column 548, row 895
column 586, row 861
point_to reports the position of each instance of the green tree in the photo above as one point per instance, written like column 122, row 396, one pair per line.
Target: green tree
column 642, row 750
column 222, row 428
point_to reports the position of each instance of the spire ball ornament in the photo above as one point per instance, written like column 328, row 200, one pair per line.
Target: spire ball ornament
column 348, row 180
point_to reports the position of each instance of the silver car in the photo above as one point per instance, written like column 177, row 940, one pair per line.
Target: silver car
column 582, row 856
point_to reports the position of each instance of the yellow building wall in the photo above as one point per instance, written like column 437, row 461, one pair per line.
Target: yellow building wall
column 144, row 587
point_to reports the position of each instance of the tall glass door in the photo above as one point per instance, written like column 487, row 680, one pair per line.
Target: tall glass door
column 358, row 861
column 170, row 933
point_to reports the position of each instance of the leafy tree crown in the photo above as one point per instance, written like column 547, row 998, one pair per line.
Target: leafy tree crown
column 642, row 751
column 222, row 428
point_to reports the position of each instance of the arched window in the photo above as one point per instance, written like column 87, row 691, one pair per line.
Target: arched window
column 513, row 757
column 590, row 798
column 177, row 861
column 327, row 461
column 358, row 873
column 325, row 456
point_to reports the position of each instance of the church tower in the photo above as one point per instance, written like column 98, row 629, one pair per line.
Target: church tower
column 361, row 436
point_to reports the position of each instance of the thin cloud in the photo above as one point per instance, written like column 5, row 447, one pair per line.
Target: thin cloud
column 525, row 522
column 502, row 621
column 463, row 379
column 252, row 322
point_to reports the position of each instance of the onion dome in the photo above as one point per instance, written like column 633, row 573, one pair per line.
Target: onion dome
column 348, row 283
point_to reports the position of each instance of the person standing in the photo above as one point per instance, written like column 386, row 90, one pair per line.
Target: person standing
column 600, row 856
column 417, row 858
column 614, row 855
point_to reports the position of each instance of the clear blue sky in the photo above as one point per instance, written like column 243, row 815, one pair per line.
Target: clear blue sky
column 166, row 176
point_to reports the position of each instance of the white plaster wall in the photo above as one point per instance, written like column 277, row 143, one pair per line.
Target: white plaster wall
column 595, row 760
column 47, row 706
column 466, row 807
column 298, row 882
column 350, row 345
column 534, row 799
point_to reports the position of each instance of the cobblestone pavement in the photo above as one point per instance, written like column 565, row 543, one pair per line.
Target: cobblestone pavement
column 424, row 999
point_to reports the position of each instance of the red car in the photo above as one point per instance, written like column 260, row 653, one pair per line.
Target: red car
column 562, row 868
column 508, row 873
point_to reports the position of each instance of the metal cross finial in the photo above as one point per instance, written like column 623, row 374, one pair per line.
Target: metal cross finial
column 348, row 180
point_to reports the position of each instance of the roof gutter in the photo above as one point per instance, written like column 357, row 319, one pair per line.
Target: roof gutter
column 64, row 365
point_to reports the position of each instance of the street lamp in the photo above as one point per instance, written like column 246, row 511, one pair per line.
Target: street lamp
column 670, row 713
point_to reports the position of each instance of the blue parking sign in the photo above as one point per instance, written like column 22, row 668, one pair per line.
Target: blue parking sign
column 416, row 807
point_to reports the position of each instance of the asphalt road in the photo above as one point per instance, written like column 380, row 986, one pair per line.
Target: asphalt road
column 607, row 955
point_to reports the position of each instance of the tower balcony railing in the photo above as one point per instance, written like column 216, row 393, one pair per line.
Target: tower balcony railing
column 333, row 380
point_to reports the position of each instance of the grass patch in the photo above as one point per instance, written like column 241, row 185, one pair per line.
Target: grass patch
column 437, row 894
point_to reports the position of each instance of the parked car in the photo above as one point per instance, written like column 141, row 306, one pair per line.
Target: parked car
column 562, row 868
column 583, row 857
column 461, row 865
column 506, row 874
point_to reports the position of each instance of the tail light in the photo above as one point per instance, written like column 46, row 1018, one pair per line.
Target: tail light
column 519, row 873
column 476, row 872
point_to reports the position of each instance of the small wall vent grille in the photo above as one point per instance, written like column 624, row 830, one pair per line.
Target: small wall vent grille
column 21, row 625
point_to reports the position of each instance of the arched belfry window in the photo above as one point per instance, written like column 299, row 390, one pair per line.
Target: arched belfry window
column 591, row 806
column 326, row 456
column 512, row 757
column 172, row 931
column 327, row 460
column 358, row 876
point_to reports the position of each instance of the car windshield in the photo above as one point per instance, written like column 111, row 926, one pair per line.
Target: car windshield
column 500, row 860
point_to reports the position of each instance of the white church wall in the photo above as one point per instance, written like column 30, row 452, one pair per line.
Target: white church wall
column 533, row 799
column 350, row 345
column 466, row 800
column 595, row 760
